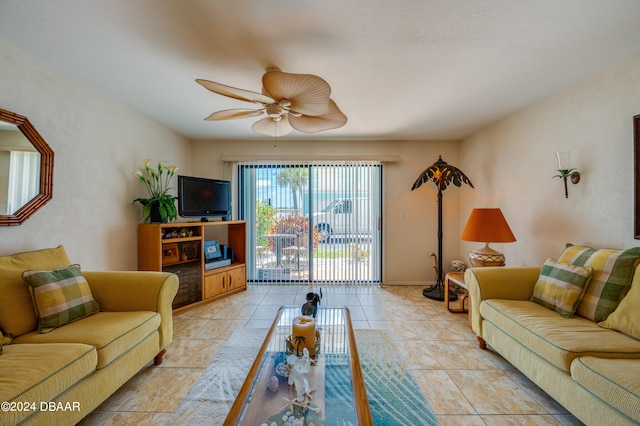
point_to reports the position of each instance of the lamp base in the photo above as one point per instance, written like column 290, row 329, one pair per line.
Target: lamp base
column 486, row 256
column 437, row 293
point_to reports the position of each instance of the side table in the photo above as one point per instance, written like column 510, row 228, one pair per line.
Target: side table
column 457, row 278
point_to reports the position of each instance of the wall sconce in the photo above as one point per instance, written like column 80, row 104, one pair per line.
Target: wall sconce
column 564, row 167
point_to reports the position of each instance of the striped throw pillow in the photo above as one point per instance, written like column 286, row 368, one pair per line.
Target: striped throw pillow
column 60, row 296
column 626, row 317
column 561, row 286
column 612, row 274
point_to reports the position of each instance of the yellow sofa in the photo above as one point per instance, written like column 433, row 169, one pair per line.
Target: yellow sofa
column 594, row 372
column 59, row 377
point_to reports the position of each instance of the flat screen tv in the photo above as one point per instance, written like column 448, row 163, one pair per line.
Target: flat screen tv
column 204, row 198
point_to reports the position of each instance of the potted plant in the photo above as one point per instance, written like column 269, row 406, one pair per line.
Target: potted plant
column 160, row 206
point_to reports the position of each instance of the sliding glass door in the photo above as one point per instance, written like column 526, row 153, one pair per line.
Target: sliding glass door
column 312, row 222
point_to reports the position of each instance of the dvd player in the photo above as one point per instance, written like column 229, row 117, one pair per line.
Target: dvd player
column 216, row 264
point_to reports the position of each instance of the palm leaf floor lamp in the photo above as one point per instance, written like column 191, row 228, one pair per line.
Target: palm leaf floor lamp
column 442, row 174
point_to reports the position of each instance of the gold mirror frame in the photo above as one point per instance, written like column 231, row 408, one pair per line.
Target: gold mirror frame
column 46, row 169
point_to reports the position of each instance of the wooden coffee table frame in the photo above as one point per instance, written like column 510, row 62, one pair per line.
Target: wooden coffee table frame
column 361, row 401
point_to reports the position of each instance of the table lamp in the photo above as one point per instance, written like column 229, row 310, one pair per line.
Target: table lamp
column 487, row 226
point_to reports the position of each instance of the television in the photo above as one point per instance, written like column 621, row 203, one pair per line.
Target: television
column 204, row 198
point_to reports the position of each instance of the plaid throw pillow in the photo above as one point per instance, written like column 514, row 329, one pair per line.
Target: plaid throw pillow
column 612, row 274
column 626, row 317
column 60, row 296
column 560, row 286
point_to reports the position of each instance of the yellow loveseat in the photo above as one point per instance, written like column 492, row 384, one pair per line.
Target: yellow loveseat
column 592, row 370
column 60, row 376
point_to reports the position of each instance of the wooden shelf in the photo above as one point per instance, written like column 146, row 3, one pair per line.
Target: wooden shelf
column 181, row 262
column 197, row 284
column 181, row 239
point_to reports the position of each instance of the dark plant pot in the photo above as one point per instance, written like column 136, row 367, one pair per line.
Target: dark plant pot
column 154, row 216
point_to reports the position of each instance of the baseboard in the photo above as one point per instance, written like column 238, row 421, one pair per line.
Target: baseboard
column 416, row 283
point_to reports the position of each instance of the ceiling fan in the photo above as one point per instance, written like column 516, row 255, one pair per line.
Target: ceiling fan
column 290, row 101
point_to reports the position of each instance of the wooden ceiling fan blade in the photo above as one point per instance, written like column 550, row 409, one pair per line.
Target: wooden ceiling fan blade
column 232, row 114
column 308, row 94
column 268, row 126
column 234, row 92
column 312, row 124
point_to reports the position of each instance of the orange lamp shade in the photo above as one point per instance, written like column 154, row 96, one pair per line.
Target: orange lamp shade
column 487, row 226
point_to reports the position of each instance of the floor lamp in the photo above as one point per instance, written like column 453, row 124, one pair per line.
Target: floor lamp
column 442, row 174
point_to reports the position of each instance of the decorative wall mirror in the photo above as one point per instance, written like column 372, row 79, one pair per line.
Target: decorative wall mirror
column 636, row 177
column 26, row 169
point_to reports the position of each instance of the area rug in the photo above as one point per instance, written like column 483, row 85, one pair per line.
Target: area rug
column 394, row 396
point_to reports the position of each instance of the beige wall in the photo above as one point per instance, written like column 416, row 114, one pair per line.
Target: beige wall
column 98, row 144
column 408, row 242
column 513, row 162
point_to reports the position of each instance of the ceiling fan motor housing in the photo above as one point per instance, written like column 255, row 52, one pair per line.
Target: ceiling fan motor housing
column 274, row 110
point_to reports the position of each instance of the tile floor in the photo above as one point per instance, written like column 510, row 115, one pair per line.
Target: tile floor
column 463, row 384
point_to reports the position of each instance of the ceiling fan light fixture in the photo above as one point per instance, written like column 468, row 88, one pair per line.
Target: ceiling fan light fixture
column 270, row 127
column 291, row 101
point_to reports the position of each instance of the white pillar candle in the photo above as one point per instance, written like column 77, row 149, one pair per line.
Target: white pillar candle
column 304, row 326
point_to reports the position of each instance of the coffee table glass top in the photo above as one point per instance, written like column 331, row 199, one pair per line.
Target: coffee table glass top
column 338, row 395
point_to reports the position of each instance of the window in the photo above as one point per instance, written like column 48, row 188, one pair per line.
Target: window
column 24, row 178
column 315, row 222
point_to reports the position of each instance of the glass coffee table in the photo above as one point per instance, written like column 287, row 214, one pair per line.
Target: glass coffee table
column 339, row 395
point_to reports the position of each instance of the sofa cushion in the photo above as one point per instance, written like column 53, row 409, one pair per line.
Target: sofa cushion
column 560, row 286
column 34, row 373
column 112, row 333
column 626, row 317
column 613, row 271
column 17, row 315
column 60, row 296
column 615, row 381
column 4, row 340
column 554, row 338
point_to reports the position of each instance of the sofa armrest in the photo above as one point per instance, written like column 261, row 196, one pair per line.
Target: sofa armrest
column 514, row 283
column 136, row 291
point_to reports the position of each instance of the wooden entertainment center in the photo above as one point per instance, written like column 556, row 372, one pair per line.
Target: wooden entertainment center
column 178, row 247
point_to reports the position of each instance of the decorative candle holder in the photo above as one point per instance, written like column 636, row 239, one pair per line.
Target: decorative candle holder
column 565, row 171
column 314, row 349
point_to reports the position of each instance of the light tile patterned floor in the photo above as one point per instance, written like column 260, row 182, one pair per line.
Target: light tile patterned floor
column 463, row 384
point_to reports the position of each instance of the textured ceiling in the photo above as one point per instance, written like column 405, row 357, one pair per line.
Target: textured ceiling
column 419, row 70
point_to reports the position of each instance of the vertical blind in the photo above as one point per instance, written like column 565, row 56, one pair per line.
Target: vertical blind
column 316, row 222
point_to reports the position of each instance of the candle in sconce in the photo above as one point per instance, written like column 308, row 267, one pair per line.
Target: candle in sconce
column 564, row 160
column 304, row 326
